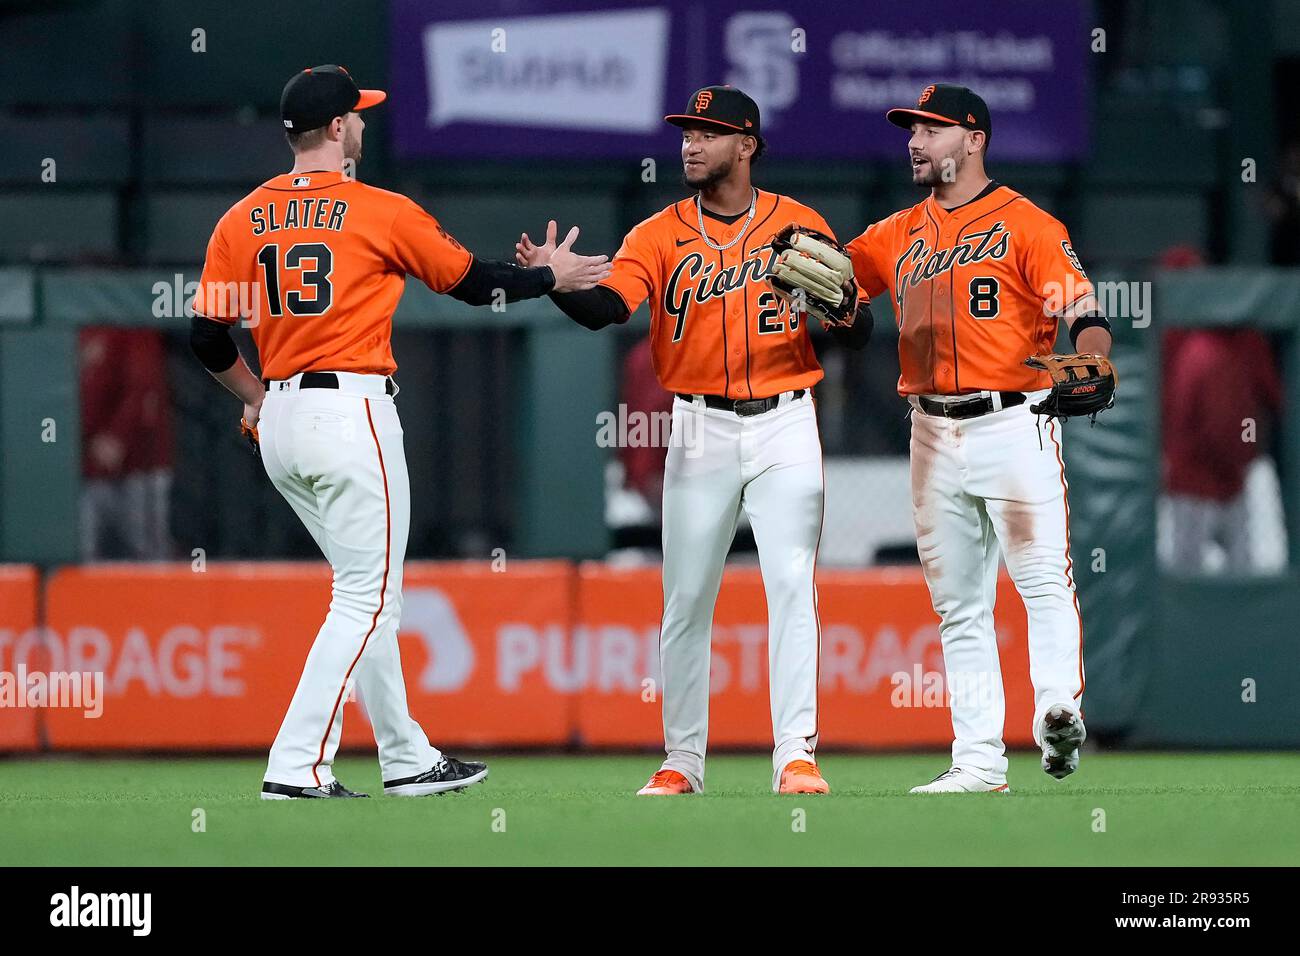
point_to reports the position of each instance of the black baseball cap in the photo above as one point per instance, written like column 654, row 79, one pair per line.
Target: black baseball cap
column 318, row 94
column 722, row 106
column 945, row 103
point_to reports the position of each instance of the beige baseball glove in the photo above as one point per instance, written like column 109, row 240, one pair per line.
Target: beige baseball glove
column 813, row 274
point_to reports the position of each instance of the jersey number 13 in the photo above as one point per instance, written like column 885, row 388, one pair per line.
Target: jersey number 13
column 297, row 257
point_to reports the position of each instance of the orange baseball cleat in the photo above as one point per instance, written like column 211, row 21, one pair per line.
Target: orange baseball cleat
column 665, row 783
column 800, row 776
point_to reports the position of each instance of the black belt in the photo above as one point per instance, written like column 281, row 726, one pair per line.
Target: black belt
column 326, row 380
column 742, row 406
column 969, row 408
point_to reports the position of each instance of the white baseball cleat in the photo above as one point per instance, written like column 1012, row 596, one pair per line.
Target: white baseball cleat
column 1062, row 732
column 957, row 780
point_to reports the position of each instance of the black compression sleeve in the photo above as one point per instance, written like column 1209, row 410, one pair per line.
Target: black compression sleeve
column 484, row 277
column 592, row 308
column 211, row 342
column 857, row 335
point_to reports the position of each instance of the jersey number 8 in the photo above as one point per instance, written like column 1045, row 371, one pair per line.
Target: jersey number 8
column 984, row 297
column 317, row 277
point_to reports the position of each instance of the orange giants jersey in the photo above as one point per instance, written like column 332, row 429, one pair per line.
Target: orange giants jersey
column 978, row 290
column 716, row 327
column 315, row 263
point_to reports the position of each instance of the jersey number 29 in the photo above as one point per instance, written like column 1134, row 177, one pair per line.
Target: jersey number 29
column 316, row 278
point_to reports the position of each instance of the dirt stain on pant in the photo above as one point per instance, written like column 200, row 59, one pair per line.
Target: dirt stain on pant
column 1019, row 520
column 923, row 458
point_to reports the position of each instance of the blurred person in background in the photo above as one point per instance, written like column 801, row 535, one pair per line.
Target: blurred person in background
column 634, row 488
column 1221, row 390
column 1283, row 207
column 643, row 465
column 127, row 445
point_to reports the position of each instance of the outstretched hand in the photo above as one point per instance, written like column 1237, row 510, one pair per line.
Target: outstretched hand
column 530, row 255
column 573, row 272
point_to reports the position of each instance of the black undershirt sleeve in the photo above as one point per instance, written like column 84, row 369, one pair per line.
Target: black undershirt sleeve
column 211, row 343
column 485, row 276
column 593, row 308
column 857, row 335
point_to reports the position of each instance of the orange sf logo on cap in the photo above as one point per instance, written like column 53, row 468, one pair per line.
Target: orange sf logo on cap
column 925, row 94
column 703, row 100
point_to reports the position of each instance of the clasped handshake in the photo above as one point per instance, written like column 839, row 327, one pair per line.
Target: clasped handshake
column 573, row 273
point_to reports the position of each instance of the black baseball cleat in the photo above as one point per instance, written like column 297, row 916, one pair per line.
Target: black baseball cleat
column 448, row 775
column 1062, row 735
column 282, row 791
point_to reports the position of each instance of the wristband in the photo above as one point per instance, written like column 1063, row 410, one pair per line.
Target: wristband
column 1086, row 321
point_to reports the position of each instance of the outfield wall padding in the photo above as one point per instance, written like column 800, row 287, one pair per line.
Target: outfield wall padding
column 531, row 653
column 19, row 593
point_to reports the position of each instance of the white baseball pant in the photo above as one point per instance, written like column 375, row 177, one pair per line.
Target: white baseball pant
column 977, row 483
column 771, row 466
column 336, row 456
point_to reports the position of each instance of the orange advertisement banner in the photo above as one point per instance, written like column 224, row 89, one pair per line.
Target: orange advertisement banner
column 485, row 652
column 882, row 677
column 538, row 653
column 19, row 639
column 210, row 659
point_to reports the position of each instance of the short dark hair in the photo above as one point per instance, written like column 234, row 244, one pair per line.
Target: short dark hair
column 759, row 150
column 307, row 139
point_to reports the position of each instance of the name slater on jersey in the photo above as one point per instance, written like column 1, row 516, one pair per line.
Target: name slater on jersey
column 692, row 280
column 919, row 262
column 305, row 212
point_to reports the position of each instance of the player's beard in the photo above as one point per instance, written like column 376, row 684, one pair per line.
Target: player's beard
column 933, row 176
column 709, row 179
column 352, row 147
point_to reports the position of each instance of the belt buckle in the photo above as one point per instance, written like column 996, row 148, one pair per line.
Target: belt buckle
column 967, row 409
column 750, row 407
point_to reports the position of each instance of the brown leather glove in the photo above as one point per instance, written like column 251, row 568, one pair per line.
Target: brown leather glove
column 1082, row 384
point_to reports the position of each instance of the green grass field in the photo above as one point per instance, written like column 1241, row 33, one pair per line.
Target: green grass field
column 1160, row 809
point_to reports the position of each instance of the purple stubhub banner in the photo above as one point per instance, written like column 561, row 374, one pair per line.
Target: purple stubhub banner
column 585, row 79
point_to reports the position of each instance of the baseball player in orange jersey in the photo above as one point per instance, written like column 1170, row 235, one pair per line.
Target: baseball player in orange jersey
column 742, row 368
column 982, row 277
column 325, row 258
